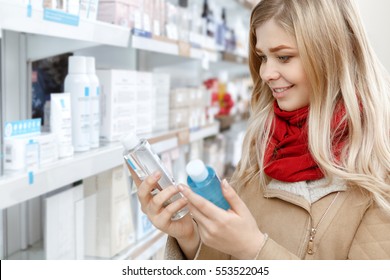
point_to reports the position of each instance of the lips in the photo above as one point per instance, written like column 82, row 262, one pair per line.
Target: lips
column 281, row 89
column 280, row 92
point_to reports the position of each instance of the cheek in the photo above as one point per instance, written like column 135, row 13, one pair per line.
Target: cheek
column 261, row 71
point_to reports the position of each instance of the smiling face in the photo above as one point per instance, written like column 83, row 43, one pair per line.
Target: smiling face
column 281, row 67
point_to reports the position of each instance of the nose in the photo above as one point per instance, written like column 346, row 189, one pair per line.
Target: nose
column 269, row 71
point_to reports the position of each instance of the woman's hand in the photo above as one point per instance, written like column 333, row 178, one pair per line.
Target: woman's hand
column 234, row 232
column 184, row 229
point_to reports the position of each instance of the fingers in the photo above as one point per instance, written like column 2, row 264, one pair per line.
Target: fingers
column 235, row 202
column 154, row 206
column 160, row 200
column 199, row 206
column 165, row 214
column 144, row 190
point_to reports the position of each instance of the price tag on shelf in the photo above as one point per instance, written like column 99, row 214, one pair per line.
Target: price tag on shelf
column 184, row 49
column 61, row 17
column 183, row 136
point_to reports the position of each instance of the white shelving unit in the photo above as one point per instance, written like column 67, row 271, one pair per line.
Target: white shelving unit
column 26, row 37
column 14, row 17
column 15, row 188
column 173, row 48
column 144, row 248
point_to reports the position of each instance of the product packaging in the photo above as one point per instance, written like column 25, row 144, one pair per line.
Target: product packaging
column 109, row 225
column 61, row 122
column 118, row 103
column 146, row 102
column 21, row 149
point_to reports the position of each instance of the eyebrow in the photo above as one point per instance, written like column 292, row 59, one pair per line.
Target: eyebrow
column 275, row 49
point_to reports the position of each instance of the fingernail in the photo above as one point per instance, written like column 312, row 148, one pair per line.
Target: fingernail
column 225, row 184
column 156, row 174
column 180, row 187
column 183, row 189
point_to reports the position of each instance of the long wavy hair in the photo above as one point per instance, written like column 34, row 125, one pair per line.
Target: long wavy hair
column 341, row 67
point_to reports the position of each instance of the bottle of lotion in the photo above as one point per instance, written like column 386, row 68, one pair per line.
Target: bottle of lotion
column 95, row 104
column 77, row 84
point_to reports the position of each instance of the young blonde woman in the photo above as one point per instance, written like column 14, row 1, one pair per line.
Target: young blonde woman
column 314, row 178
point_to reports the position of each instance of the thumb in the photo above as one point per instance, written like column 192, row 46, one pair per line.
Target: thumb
column 235, row 202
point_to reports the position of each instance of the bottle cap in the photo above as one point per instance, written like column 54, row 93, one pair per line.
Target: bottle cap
column 197, row 170
column 77, row 65
column 90, row 65
column 129, row 141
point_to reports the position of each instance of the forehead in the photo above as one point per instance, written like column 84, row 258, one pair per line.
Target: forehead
column 270, row 35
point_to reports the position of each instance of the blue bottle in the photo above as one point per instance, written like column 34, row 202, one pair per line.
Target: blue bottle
column 204, row 181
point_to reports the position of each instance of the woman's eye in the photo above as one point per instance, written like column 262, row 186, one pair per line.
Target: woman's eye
column 284, row 58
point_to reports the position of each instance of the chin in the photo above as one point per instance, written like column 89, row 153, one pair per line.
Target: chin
column 289, row 106
column 286, row 106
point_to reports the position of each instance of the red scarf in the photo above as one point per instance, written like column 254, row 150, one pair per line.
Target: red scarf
column 287, row 157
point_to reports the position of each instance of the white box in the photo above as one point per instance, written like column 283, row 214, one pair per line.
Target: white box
column 93, row 9
column 114, row 11
column 21, row 153
column 60, row 221
column 180, row 98
column 143, row 225
column 146, row 102
column 118, row 103
column 113, row 228
column 48, row 148
column 162, row 82
column 179, row 118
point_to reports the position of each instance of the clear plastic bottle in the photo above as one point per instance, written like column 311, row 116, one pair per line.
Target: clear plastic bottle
column 140, row 157
column 204, row 181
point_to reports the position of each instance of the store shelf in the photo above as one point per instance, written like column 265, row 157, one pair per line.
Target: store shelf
column 204, row 132
column 172, row 48
column 229, row 57
column 14, row 17
column 16, row 188
column 144, row 249
column 35, row 252
column 141, row 250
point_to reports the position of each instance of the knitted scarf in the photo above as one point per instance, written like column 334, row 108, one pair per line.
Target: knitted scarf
column 287, row 157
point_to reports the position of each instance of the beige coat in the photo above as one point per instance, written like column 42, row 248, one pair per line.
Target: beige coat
column 352, row 228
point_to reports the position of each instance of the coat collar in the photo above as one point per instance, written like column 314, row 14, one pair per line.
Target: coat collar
column 303, row 193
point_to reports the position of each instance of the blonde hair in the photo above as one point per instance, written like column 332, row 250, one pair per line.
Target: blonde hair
column 341, row 67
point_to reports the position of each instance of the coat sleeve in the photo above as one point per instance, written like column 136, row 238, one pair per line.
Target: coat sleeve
column 372, row 239
column 173, row 250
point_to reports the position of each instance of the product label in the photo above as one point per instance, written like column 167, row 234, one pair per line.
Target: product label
column 61, row 17
column 23, row 127
column 32, row 159
column 137, row 167
column 29, row 10
column 86, row 91
column 81, row 113
column 131, row 164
